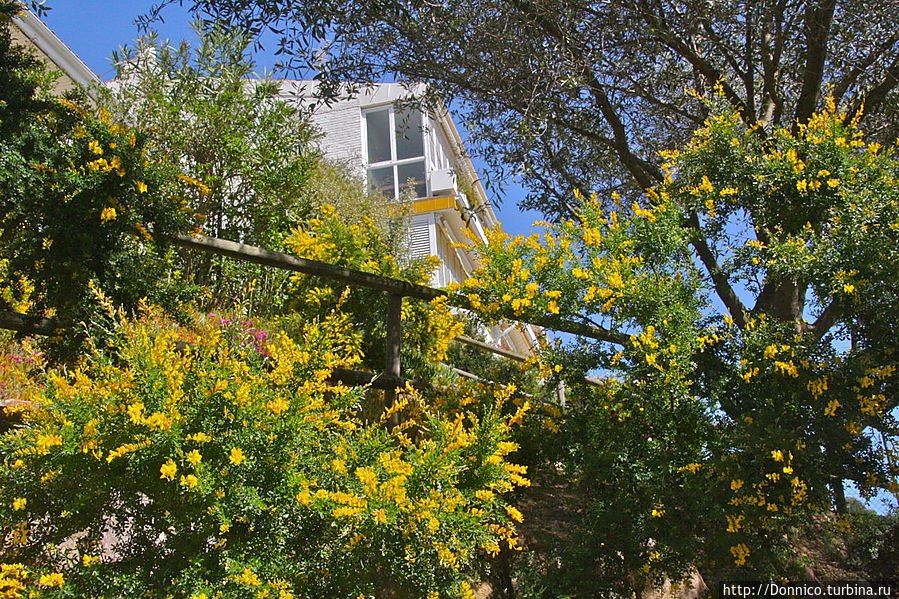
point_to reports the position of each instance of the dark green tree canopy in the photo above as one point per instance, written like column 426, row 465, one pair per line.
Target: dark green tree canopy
column 584, row 94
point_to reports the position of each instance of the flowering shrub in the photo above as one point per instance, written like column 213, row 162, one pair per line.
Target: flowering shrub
column 427, row 329
column 719, row 425
column 232, row 467
column 79, row 200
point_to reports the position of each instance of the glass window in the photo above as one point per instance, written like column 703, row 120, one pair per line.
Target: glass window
column 409, row 138
column 381, row 181
column 412, row 174
column 395, row 151
column 377, row 129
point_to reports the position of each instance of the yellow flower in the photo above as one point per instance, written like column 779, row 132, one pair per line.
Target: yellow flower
column 237, row 456
column 848, row 287
column 194, row 457
column 484, row 495
column 740, row 553
column 51, row 580
column 136, row 412
column 189, row 481
column 514, row 514
column 108, row 214
column 777, row 455
column 141, row 187
column 88, row 560
column 249, row 578
column 19, row 503
column 168, row 470
column 44, row 442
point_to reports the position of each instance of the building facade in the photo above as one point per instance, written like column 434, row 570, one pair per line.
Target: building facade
column 29, row 31
column 418, row 160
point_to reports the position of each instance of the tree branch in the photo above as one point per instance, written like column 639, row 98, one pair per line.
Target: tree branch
column 711, row 73
column 645, row 177
column 719, row 277
column 871, row 100
column 818, row 19
column 772, row 105
column 826, row 320
column 849, row 79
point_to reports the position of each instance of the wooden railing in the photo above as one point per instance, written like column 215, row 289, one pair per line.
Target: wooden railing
column 396, row 289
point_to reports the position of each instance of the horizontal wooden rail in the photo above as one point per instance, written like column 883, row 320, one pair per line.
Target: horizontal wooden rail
column 30, row 325
column 351, row 276
column 359, row 378
column 257, row 255
column 491, row 348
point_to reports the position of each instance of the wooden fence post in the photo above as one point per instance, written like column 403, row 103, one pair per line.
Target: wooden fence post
column 394, row 337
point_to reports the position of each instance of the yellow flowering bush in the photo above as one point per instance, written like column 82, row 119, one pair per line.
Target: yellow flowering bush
column 742, row 318
column 193, row 463
column 427, row 329
column 79, row 200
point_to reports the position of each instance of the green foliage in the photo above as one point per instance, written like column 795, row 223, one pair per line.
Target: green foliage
column 80, row 200
column 19, row 77
column 585, row 95
column 248, row 149
column 718, row 427
column 872, row 541
column 233, row 466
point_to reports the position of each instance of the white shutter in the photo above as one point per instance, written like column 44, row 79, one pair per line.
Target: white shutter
column 419, row 239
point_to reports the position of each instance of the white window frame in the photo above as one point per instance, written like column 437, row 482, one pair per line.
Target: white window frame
column 393, row 162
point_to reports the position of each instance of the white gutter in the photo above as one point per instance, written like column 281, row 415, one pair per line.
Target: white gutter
column 58, row 53
column 449, row 128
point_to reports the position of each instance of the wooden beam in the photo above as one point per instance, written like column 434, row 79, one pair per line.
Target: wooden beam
column 394, row 325
column 491, row 348
column 359, row 378
column 30, row 325
column 350, row 276
column 257, row 255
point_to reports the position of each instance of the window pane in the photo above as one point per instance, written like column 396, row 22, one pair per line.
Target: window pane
column 378, row 133
column 380, row 180
column 409, row 136
column 415, row 174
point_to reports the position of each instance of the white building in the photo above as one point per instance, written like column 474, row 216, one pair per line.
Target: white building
column 419, row 159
